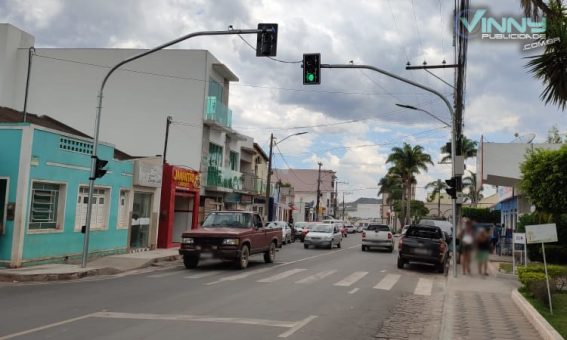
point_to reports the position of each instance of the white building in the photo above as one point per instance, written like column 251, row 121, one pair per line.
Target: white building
column 363, row 208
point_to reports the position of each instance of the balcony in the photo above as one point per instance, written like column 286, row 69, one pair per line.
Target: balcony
column 252, row 183
column 219, row 177
column 217, row 114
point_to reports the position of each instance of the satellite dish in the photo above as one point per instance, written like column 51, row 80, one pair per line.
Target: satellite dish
column 524, row 139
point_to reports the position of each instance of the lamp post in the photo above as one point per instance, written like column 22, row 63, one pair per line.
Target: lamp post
column 272, row 144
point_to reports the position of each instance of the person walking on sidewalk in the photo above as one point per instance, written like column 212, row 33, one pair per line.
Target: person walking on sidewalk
column 467, row 243
column 482, row 251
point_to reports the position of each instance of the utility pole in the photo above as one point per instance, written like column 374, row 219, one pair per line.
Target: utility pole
column 167, row 124
column 336, row 203
column 268, row 185
column 318, row 192
column 343, row 206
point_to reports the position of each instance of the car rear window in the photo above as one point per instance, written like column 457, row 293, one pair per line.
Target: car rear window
column 378, row 227
column 424, row 232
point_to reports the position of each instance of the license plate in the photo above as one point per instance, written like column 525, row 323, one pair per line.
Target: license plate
column 421, row 251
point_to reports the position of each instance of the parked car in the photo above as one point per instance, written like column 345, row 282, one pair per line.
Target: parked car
column 340, row 224
column 299, row 227
column 325, row 234
column 231, row 235
column 424, row 244
column 377, row 235
column 405, row 229
column 350, row 228
column 361, row 225
column 286, row 230
column 306, row 230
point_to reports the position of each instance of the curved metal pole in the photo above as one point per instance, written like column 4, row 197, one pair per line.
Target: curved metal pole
column 99, row 112
column 453, row 133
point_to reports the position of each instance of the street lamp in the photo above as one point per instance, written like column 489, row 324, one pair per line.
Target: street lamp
column 424, row 111
column 272, row 144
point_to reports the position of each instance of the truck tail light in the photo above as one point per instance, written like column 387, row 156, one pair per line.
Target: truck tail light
column 363, row 234
column 442, row 247
column 400, row 243
column 389, row 236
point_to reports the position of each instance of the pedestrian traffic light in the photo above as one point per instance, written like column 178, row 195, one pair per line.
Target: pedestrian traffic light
column 312, row 69
column 452, row 187
column 267, row 40
column 99, row 170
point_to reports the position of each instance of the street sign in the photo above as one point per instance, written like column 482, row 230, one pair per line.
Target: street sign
column 519, row 238
column 541, row 233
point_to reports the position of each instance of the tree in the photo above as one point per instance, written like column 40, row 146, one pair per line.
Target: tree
column 551, row 66
column 438, row 186
column 468, row 149
column 553, row 136
column 407, row 162
column 469, row 183
column 391, row 189
column 418, row 209
column 544, row 180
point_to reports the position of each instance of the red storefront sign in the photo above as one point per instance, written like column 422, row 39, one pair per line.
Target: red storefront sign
column 179, row 207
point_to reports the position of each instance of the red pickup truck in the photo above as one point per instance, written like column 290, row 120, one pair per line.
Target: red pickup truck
column 232, row 235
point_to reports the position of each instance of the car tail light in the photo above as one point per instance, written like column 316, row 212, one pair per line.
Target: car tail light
column 363, row 234
column 442, row 247
column 389, row 236
column 400, row 243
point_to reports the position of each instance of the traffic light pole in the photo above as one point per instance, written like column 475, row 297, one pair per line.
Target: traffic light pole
column 99, row 113
column 453, row 134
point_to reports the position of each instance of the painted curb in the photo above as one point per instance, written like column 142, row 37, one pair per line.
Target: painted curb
column 543, row 327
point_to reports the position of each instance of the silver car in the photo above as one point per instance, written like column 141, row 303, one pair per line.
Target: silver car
column 323, row 235
column 286, row 231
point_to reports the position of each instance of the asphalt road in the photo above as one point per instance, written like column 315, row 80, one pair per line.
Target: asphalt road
column 307, row 294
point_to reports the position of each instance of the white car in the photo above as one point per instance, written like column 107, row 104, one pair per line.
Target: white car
column 324, row 234
column 286, row 230
column 377, row 235
column 350, row 228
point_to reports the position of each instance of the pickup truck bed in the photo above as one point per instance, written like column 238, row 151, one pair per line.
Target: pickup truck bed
column 423, row 244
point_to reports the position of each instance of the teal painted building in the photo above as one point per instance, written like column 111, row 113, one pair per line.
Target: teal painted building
column 44, row 172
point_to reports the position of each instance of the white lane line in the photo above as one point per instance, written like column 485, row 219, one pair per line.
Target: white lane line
column 51, row 325
column 316, row 277
column 157, row 276
column 202, row 275
column 282, row 275
column 297, row 326
column 353, row 291
column 383, row 271
column 388, row 282
column 424, row 287
column 352, row 278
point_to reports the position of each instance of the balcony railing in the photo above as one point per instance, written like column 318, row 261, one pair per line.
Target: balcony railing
column 218, row 112
column 254, row 184
column 224, row 178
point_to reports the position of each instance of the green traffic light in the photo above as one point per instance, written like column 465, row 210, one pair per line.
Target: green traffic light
column 310, row 77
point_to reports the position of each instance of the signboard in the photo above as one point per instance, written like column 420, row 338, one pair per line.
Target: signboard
column 541, row 233
column 519, row 238
column 187, row 179
column 147, row 174
column 245, row 199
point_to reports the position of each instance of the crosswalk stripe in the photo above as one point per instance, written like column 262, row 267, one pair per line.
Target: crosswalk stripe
column 281, row 275
column 156, row 276
column 388, row 282
column 202, row 275
column 352, row 278
column 316, row 277
column 424, row 287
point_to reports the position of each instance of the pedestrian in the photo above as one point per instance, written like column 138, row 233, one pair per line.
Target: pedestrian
column 483, row 251
column 467, row 242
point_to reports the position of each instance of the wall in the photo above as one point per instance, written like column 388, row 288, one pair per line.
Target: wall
column 10, row 143
column 364, row 211
column 11, row 81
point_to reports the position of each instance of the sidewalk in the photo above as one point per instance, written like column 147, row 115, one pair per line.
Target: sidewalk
column 107, row 265
column 481, row 307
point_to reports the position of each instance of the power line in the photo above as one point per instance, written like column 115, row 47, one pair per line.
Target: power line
column 272, row 58
column 289, row 167
column 417, row 26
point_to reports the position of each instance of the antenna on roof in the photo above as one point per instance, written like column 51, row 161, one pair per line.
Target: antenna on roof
column 523, row 139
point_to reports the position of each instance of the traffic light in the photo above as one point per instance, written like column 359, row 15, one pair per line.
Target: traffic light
column 452, row 189
column 99, row 170
column 312, row 69
column 267, row 40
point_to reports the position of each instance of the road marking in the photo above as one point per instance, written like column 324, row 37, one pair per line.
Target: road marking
column 157, row 276
column 353, row 291
column 316, row 277
column 51, row 325
column 240, row 276
column 424, row 287
column 352, row 278
column 383, row 271
column 388, row 282
column 297, row 326
column 202, row 275
column 282, row 275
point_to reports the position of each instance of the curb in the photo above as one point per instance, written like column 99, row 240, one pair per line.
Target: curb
column 543, row 327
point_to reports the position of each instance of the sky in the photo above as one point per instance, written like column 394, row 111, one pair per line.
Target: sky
column 351, row 118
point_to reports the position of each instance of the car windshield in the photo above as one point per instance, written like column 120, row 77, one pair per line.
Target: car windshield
column 301, row 224
column 228, row 220
column 378, row 227
column 424, row 232
column 322, row 228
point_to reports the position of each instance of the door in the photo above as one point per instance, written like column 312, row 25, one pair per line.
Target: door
column 141, row 216
column 183, row 216
column 3, row 203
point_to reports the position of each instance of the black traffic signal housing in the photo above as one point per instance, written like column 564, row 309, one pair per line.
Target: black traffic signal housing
column 99, row 170
column 312, row 69
column 452, row 187
column 267, row 40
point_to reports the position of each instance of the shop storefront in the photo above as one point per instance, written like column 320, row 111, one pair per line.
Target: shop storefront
column 179, row 204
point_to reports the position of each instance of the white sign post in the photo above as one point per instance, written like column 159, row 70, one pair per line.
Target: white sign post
column 519, row 238
column 543, row 233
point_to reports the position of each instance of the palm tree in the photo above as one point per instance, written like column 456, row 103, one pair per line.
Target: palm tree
column 468, row 149
column 473, row 194
column 391, row 189
column 408, row 161
column 437, row 187
column 551, row 66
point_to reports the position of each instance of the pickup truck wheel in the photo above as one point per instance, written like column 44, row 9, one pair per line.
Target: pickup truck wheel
column 306, row 246
column 391, row 249
column 440, row 268
column 400, row 263
column 339, row 244
column 363, row 248
column 270, row 255
column 191, row 261
column 242, row 261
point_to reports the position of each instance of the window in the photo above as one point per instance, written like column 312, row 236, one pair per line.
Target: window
column 99, row 211
column 123, row 208
column 233, row 161
column 74, row 145
column 215, row 90
column 46, row 202
column 215, row 155
column 378, row 227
